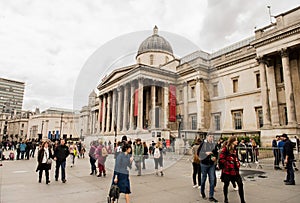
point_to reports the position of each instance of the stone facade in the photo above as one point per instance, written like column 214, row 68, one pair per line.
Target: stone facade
column 247, row 89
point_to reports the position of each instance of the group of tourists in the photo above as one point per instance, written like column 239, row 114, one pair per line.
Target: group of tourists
column 227, row 156
column 126, row 153
column 19, row 150
column 207, row 157
column 283, row 150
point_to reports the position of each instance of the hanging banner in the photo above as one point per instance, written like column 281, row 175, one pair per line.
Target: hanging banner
column 136, row 102
column 172, row 103
column 57, row 135
column 101, row 111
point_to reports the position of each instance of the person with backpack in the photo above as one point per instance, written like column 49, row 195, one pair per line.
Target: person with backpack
column 229, row 163
column 138, row 155
column 92, row 157
column 196, row 164
column 158, row 158
column 121, row 172
column 101, row 154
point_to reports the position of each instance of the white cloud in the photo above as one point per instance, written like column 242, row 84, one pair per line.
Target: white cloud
column 46, row 43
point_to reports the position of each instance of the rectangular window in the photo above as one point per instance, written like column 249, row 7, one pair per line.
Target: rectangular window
column 235, row 85
column 259, row 117
column 237, row 119
column 180, row 96
column 215, row 90
column 193, row 92
column 257, row 80
column 194, row 122
column 217, row 121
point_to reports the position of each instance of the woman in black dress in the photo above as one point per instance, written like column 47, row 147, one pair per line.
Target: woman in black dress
column 121, row 173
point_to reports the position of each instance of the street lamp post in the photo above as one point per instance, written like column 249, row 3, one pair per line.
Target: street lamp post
column 60, row 128
column 42, row 129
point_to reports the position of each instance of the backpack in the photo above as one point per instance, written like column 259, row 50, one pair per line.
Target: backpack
column 114, row 193
column 156, row 153
column 104, row 152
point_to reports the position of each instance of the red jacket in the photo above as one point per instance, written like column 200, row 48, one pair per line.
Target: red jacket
column 229, row 161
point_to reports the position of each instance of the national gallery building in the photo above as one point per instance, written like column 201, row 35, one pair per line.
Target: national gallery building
column 251, row 88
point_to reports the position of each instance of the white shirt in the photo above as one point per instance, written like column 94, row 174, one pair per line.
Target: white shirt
column 46, row 155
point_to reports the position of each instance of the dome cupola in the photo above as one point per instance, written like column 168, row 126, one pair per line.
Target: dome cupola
column 155, row 50
column 155, row 43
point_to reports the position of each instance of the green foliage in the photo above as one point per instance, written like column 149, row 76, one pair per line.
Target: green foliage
column 246, row 138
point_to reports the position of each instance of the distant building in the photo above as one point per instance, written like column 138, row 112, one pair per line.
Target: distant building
column 11, row 101
column 54, row 123
column 247, row 89
column 18, row 126
column 11, row 96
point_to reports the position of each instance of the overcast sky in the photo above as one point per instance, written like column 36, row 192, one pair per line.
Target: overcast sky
column 48, row 43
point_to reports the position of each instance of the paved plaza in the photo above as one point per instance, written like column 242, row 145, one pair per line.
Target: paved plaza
column 19, row 183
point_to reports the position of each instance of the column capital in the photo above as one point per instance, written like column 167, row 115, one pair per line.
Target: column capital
column 262, row 60
column 284, row 52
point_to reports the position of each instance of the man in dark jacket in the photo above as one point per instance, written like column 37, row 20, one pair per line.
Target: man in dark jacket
column 288, row 159
column 208, row 155
column 61, row 153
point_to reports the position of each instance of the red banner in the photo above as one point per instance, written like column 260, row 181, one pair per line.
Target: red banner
column 136, row 102
column 172, row 103
column 101, row 111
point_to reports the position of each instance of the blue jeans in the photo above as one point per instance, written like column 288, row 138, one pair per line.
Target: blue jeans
column 210, row 170
column 290, row 171
column 61, row 164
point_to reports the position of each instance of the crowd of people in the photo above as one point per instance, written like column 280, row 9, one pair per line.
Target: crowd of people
column 207, row 157
column 228, row 156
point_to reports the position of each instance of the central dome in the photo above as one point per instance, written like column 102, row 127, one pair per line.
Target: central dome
column 155, row 43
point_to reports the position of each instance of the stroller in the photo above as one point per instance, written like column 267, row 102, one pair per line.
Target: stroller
column 114, row 193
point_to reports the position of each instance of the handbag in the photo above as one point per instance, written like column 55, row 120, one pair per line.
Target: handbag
column 196, row 159
column 49, row 161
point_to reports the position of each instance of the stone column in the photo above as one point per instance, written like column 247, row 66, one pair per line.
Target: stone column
column 99, row 116
column 108, row 113
column 119, row 109
column 295, row 70
column 273, row 101
column 289, row 95
column 131, row 105
column 264, row 94
column 199, row 103
column 113, row 115
column 185, row 105
column 140, row 105
column 125, row 114
column 153, row 88
column 166, row 105
column 104, row 113
column 147, row 106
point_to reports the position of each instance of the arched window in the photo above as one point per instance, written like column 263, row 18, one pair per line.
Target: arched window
column 151, row 59
column 167, row 59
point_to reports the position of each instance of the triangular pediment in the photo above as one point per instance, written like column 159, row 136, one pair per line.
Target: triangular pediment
column 117, row 73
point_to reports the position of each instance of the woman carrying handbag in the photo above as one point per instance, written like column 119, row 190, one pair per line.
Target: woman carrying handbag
column 44, row 161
